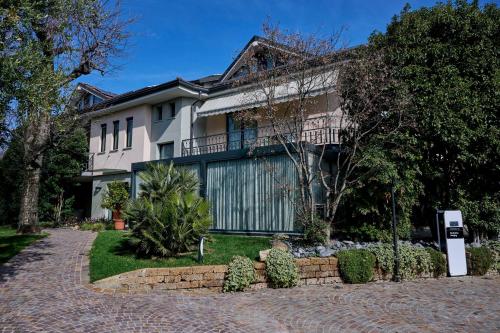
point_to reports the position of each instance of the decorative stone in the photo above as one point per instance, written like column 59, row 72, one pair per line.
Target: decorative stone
column 279, row 244
column 320, row 248
column 326, row 253
column 263, row 254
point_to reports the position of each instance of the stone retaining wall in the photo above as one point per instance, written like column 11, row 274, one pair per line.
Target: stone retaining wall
column 312, row 271
column 165, row 278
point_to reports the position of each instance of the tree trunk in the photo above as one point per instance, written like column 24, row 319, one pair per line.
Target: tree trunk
column 28, row 212
column 35, row 138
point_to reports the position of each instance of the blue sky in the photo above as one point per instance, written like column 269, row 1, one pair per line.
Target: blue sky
column 195, row 38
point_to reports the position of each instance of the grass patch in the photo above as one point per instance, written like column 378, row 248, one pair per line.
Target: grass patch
column 11, row 243
column 111, row 255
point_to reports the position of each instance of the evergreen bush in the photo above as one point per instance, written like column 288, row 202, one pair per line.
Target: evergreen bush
column 240, row 275
column 412, row 260
column 438, row 262
column 481, row 259
column 281, row 269
column 356, row 266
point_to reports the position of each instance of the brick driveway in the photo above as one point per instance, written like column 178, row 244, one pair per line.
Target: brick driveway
column 42, row 290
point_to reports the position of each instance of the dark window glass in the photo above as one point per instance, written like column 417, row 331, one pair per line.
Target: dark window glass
column 172, row 110
column 234, row 132
column 116, row 131
column 159, row 112
column 130, row 125
column 103, row 138
column 166, row 150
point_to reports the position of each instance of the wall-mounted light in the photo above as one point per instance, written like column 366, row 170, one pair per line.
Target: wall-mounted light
column 97, row 189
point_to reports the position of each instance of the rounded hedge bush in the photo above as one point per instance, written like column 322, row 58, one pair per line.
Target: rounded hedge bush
column 281, row 269
column 438, row 262
column 481, row 259
column 356, row 266
column 240, row 275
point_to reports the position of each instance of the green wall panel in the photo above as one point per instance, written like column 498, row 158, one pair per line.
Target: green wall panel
column 250, row 195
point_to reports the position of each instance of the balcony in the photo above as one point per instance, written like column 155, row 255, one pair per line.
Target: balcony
column 88, row 167
column 316, row 131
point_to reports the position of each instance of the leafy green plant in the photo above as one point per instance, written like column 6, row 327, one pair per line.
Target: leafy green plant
column 356, row 266
column 494, row 247
column 169, row 217
column 89, row 226
column 107, row 223
column 412, row 260
column 438, row 262
column 480, row 259
column 281, row 269
column 240, row 275
column 161, row 180
column 116, row 196
column 315, row 232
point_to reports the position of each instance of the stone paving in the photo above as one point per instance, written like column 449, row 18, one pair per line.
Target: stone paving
column 43, row 290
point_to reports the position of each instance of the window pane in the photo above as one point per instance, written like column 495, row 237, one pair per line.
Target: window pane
column 172, row 110
column 159, row 112
column 234, row 133
column 166, row 150
column 116, row 131
column 103, row 137
column 130, row 125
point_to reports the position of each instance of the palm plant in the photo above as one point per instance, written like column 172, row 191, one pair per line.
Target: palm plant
column 169, row 216
column 161, row 180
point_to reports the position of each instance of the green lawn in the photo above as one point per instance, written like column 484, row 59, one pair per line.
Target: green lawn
column 11, row 243
column 110, row 254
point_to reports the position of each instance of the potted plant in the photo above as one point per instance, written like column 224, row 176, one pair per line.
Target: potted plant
column 115, row 199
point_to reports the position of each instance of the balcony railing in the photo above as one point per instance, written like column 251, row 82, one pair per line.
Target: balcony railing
column 89, row 166
column 316, row 131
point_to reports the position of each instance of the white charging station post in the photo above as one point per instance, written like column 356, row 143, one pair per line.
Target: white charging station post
column 454, row 240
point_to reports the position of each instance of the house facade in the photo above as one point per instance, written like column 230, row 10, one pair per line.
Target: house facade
column 193, row 125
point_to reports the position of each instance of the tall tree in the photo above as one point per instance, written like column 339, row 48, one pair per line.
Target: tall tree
column 62, row 163
column 361, row 104
column 46, row 44
column 449, row 56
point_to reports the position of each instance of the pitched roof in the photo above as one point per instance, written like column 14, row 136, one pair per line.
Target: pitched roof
column 207, row 84
column 130, row 95
column 97, row 91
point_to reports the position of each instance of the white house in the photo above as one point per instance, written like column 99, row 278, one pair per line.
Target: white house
column 192, row 123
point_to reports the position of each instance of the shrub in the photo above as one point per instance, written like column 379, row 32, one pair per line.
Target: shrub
column 47, row 224
column 412, row 260
column 316, row 232
column 241, row 274
column 96, row 227
column 356, row 266
column 169, row 217
column 494, row 247
column 116, row 196
column 281, row 269
column 481, row 259
column 438, row 262
column 107, row 223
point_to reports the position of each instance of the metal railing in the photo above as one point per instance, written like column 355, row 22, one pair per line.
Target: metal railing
column 316, row 131
column 89, row 167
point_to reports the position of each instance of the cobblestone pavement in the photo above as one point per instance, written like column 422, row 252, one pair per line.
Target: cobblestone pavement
column 43, row 290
